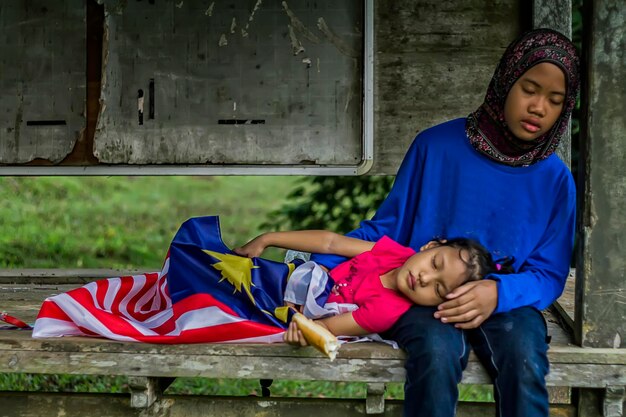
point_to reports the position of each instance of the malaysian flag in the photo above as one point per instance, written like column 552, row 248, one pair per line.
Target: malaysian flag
column 204, row 293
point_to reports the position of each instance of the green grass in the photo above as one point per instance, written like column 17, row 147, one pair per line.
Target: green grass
column 123, row 222
column 128, row 223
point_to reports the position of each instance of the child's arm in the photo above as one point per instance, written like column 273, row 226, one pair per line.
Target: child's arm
column 318, row 241
column 343, row 325
column 339, row 325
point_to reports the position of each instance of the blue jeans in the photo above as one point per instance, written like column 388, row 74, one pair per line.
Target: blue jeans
column 512, row 347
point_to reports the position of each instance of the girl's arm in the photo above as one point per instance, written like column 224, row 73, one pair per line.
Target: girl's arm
column 318, row 241
column 343, row 325
column 339, row 325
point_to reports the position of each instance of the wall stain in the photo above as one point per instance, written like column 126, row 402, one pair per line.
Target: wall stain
column 299, row 26
column 335, row 39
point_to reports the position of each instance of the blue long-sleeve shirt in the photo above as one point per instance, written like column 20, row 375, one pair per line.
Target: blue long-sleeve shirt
column 445, row 188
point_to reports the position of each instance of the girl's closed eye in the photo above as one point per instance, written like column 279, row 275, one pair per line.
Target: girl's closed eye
column 433, row 261
column 556, row 102
column 438, row 291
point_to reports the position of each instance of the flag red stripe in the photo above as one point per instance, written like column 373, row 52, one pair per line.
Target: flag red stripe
column 115, row 323
column 140, row 308
column 49, row 309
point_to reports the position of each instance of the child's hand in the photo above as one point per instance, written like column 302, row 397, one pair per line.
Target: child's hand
column 295, row 307
column 293, row 336
column 252, row 249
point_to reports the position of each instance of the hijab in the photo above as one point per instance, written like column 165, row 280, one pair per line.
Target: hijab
column 486, row 127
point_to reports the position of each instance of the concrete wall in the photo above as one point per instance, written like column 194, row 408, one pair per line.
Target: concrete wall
column 204, row 67
column 433, row 62
column 42, row 79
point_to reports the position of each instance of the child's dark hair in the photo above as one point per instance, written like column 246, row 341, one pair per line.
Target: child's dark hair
column 480, row 263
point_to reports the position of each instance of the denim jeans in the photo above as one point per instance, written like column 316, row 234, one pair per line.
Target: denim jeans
column 512, row 347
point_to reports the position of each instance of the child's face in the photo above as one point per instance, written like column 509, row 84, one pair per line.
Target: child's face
column 535, row 101
column 426, row 277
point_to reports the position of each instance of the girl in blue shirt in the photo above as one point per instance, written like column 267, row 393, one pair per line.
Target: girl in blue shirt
column 494, row 177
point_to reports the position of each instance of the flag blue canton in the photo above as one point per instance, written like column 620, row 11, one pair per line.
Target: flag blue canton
column 200, row 262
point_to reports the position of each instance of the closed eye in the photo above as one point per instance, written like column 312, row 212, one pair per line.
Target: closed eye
column 437, row 291
column 433, row 262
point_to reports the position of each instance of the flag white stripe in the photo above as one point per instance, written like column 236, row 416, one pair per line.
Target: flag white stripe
column 109, row 297
column 163, row 293
column 84, row 318
column 145, row 299
column 47, row 327
column 92, row 289
column 201, row 318
column 139, row 282
column 155, row 320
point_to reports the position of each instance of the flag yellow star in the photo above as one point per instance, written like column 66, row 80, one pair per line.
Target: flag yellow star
column 235, row 269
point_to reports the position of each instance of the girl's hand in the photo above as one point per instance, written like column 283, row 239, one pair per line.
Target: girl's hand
column 470, row 304
column 293, row 336
column 252, row 249
column 297, row 308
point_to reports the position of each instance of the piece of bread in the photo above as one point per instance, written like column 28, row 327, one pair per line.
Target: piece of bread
column 317, row 336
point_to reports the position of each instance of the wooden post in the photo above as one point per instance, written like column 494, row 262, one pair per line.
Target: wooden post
column 557, row 15
column 613, row 405
column 375, row 400
column 144, row 391
column 600, row 310
column 601, row 264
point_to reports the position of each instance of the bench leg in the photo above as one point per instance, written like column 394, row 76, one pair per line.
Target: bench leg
column 613, row 402
column 596, row 402
column 375, row 399
column 144, row 391
column 265, row 387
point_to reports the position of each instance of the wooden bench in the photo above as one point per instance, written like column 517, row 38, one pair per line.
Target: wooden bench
column 151, row 368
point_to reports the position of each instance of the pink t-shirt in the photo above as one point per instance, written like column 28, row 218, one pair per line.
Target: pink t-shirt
column 357, row 281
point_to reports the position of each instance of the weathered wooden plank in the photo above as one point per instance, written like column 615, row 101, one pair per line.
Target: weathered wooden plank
column 60, row 275
column 282, row 362
column 601, row 270
column 84, row 405
column 24, row 301
column 214, row 366
column 16, row 339
column 21, row 340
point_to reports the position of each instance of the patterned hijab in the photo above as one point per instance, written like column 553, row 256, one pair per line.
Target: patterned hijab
column 486, row 127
